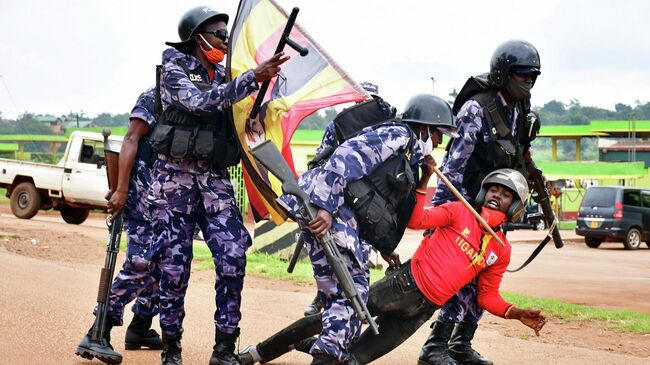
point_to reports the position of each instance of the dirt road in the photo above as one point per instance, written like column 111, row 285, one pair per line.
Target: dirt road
column 49, row 272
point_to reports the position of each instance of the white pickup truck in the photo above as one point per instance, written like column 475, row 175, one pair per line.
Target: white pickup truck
column 73, row 186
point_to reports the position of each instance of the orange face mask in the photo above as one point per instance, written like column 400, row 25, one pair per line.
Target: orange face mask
column 213, row 55
column 492, row 217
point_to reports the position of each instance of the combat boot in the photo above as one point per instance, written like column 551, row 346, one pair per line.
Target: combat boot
column 100, row 349
column 315, row 307
column 323, row 359
column 139, row 334
column 223, row 352
column 171, row 353
column 435, row 350
column 460, row 345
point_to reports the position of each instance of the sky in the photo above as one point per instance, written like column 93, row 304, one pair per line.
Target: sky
column 98, row 56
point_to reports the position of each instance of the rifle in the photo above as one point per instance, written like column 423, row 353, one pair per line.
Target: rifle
column 541, row 197
column 535, row 175
column 268, row 155
column 111, row 157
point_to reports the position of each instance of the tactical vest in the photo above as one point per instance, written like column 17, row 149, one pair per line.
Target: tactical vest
column 180, row 134
column 501, row 149
column 384, row 200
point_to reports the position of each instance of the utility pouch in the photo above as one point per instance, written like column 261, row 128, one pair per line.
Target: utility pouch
column 162, row 139
column 203, row 144
column 181, row 143
column 376, row 223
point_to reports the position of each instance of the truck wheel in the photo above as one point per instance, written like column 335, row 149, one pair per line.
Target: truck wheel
column 592, row 242
column 633, row 239
column 25, row 200
column 74, row 215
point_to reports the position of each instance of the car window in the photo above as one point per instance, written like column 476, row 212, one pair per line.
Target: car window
column 599, row 197
column 91, row 152
column 632, row 198
column 645, row 199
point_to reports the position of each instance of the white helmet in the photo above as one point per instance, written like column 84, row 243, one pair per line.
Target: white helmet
column 513, row 180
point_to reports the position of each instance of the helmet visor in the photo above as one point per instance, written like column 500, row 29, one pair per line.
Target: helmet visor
column 448, row 131
column 526, row 70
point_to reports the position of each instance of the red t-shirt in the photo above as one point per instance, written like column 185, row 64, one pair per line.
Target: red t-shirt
column 456, row 253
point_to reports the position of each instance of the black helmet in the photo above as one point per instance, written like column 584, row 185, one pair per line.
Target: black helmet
column 513, row 180
column 190, row 22
column 430, row 110
column 513, row 53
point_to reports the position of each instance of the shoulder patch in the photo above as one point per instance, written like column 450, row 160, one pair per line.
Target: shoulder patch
column 492, row 258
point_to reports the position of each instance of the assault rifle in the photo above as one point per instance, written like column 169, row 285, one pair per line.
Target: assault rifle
column 111, row 157
column 268, row 155
column 541, row 197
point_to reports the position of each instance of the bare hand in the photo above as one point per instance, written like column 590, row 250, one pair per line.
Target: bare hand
column 533, row 319
column 270, row 68
column 427, row 165
column 321, row 223
column 392, row 259
column 116, row 202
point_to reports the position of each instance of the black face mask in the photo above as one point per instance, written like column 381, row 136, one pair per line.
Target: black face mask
column 518, row 90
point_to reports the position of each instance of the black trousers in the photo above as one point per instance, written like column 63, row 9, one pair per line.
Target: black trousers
column 400, row 309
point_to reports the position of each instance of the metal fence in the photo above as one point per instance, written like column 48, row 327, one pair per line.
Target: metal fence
column 237, row 179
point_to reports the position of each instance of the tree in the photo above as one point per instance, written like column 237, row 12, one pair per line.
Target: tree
column 27, row 124
column 554, row 106
column 112, row 120
column 642, row 111
column 319, row 119
column 623, row 110
column 453, row 96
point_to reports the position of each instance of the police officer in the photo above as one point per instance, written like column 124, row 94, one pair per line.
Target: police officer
column 425, row 119
column 195, row 144
column 137, row 279
column 329, row 143
column 495, row 133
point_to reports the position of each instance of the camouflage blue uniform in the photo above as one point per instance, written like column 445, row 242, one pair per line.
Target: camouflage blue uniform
column 464, row 305
column 188, row 192
column 137, row 279
column 352, row 160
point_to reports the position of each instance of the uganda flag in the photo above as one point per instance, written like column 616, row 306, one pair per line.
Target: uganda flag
column 305, row 85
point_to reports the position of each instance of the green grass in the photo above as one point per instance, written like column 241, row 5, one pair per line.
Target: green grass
column 623, row 320
column 259, row 264
column 3, row 198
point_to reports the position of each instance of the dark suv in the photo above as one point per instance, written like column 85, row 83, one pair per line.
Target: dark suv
column 615, row 213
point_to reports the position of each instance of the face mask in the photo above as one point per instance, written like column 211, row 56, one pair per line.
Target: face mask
column 213, row 55
column 426, row 147
column 518, row 91
column 492, row 217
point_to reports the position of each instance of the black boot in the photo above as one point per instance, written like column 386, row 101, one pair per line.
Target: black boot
column 460, row 345
column 322, row 359
column 224, row 348
column 139, row 334
column 315, row 307
column 171, row 353
column 100, row 349
column 435, row 350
